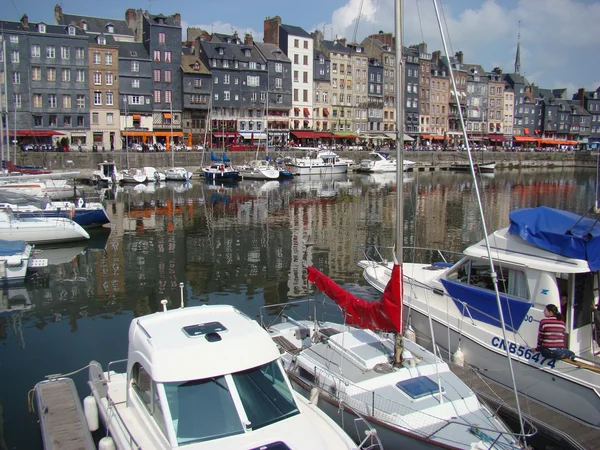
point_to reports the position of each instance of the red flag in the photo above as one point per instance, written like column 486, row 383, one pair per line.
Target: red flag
column 383, row 315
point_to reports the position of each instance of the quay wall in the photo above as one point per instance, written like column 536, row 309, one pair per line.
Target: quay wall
column 192, row 160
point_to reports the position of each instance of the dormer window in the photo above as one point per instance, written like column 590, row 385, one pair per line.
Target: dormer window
column 196, row 66
column 229, row 40
column 221, row 51
column 41, row 28
column 71, row 30
column 110, row 28
column 247, row 53
column 101, row 40
column 84, row 25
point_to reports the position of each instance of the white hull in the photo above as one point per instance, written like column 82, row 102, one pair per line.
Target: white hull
column 15, row 265
column 40, row 230
column 177, row 174
column 321, row 169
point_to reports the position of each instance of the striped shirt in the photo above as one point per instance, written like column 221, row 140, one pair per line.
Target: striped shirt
column 551, row 333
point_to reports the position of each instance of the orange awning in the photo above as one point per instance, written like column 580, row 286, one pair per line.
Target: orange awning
column 137, row 133
column 306, row 112
column 137, row 117
column 168, row 133
column 437, row 138
column 525, row 139
column 167, row 115
column 426, row 136
column 526, row 130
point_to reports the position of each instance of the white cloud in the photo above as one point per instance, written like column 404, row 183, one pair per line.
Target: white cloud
column 558, row 41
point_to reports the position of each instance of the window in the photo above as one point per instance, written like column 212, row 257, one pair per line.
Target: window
column 97, row 98
column 226, row 95
column 278, row 67
column 80, row 75
column 135, row 66
column 108, row 79
column 66, row 102
column 296, row 95
column 79, row 53
column 97, row 78
column 96, row 57
column 263, row 97
column 52, row 121
column 157, row 73
column 168, row 75
column 41, row 28
column 136, row 100
column 295, row 76
column 216, row 80
column 37, row 121
column 14, row 39
column 135, row 83
column 197, row 83
column 65, row 53
column 305, row 60
column 66, row 75
column 17, row 100
column 16, row 78
column 109, row 99
column 296, row 43
column 95, row 120
column 35, row 51
column 296, row 59
column 80, row 121
column 324, row 97
column 279, row 98
column 167, row 96
column 253, row 66
column 80, row 101
column 253, row 97
column 305, row 77
column 67, row 121
column 167, row 57
column 51, row 74
column 217, row 97
column 14, row 57
column 51, row 100
column 253, row 81
column 156, row 55
column 108, row 58
column 36, row 73
column 278, row 83
column 162, row 38
column 157, row 95
column 226, row 79
column 305, row 95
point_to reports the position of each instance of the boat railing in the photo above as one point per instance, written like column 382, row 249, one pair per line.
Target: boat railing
column 377, row 254
column 321, row 310
column 112, row 409
column 113, row 363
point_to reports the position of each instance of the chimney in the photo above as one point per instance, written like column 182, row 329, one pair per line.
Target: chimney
column 435, row 57
column 423, row 47
column 317, row 36
column 130, row 18
column 459, row 57
column 271, row 30
column 342, row 41
column 58, row 14
column 25, row 21
column 581, row 96
column 177, row 19
column 248, row 39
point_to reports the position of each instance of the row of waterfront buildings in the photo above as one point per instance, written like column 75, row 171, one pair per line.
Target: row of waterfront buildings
column 108, row 82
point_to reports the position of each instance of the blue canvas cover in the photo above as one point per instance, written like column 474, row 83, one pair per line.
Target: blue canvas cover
column 225, row 158
column 214, row 158
column 557, row 231
column 8, row 248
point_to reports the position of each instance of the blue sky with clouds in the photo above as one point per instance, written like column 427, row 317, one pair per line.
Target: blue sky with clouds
column 559, row 46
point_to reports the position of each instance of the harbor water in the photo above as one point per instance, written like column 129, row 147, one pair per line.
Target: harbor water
column 245, row 244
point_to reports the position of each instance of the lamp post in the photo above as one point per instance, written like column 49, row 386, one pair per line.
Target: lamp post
column 126, row 135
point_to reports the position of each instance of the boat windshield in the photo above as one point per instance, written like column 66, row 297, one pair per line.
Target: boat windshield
column 203, row 410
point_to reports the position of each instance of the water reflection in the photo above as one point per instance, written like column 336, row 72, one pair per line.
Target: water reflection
column 245, row 244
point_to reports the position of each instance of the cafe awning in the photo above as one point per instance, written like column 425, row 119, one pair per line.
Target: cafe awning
column 497, row 137
column 345, row 135
column 525, row 139
column 303, row 134
column 225, row 134
column 35, row 133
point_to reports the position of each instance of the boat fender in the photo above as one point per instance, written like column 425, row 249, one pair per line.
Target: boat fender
column 459, row 358
column 80, row 203
column 410, row 334
column 106, row 443
column 314, row 396
column 90, row 409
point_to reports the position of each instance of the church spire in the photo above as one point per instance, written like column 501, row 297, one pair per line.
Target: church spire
column 518, row 56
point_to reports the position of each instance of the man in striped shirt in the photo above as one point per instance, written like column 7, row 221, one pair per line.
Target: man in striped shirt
column 551, row 335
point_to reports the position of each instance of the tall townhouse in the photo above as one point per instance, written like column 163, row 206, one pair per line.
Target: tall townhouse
column 477, row 103
column 240, row 86
column 104, row 92
column 508, row 109
column 381, row 47
column 136, row 90
column 495, row 110
column 341, row 84
column 581, row 121
column 358, row 90
column 457, row 100
column 590, row 100
column 197, row 87
column 517, row 83
column 47, row 80
column 297, row 44
column 322, row 88
column 425, row 86
column 547, row 114
column 375, row 111
column 529, row 111
column 279, row 92
column 411, row 92
column 563, row 131
column 439, row 99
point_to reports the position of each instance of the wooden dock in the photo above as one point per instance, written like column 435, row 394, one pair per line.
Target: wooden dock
column 563, row 432
column 62, row 422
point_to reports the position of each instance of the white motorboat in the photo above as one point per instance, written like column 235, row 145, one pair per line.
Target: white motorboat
column 460, row 299
column 106, row 174
column 154, row 175
column 54, row 189
column 133, row 176
column 177, row 174
column 221, row 171
column 381, row 162
column 317, row 162
column 205, row 377
column 39, row 230
column 16, row 259
column 258, row 170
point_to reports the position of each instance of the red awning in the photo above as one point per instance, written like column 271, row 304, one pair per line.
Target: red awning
column 35, row 133
column 137, row 116
column 425, row 136
column 437, row 137
column 325, row 112
column 297, row 110
column 306, row 112
column 322, row 135
column 497, row 137
column 225, row 134
column 526, row 130
column 304, row 134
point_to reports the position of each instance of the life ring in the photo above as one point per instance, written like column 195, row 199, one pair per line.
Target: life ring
column 80, row 203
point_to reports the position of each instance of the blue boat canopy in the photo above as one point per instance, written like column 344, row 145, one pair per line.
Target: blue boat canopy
column 8, row 248
column 562, row 232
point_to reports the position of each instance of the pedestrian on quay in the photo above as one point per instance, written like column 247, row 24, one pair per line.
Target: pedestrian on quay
column 551, row 335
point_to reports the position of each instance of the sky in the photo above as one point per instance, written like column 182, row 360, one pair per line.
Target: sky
column 559, row 45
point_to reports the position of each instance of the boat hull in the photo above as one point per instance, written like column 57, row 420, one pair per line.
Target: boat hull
column 324, row 169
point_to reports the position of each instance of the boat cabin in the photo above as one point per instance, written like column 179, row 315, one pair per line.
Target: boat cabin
column 189, row 370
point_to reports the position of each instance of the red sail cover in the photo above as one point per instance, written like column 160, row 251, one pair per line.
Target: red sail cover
column 383, row 315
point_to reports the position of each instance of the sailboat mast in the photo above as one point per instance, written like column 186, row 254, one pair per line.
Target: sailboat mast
column 399, row 165
column 2, row 146
column 171, row 137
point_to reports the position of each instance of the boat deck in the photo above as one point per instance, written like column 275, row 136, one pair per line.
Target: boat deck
column 62, row 422
column 566, row 432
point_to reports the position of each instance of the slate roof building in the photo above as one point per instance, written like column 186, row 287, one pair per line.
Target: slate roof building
column 322, row 88
column 477, row 103
column 590, row 100
column 117, row 28
column 197, row 88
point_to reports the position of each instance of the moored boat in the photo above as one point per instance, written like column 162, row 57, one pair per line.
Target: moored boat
column 258, row 170
column 16, row 261
column 39, row 230
column 177, row 174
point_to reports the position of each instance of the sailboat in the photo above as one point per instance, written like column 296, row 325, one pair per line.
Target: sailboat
column 364, row 367
column 175, row 173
